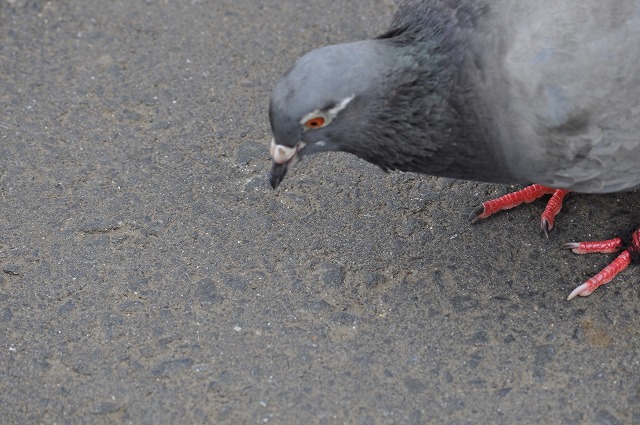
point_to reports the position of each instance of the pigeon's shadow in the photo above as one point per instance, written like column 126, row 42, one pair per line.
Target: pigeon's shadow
column 603, row 215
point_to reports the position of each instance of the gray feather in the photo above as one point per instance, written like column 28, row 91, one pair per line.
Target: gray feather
column 504, row 91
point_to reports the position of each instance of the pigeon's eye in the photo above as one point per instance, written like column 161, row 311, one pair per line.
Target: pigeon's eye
column 315, row 122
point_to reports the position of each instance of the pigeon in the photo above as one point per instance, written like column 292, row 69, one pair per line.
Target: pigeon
column 542, row 93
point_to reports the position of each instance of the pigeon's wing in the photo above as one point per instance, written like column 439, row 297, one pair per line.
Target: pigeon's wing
column 573, row 69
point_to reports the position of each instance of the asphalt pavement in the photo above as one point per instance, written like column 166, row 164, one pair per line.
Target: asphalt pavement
column 150, row 275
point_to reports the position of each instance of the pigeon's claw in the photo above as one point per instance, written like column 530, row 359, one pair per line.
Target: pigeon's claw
column 526, row 195
column 554, row 205
column 604, row 276
column 603, row 247
column 616, row 266
column 582, row 290
column 572, row 246
column 477, row 214
column 545, row 226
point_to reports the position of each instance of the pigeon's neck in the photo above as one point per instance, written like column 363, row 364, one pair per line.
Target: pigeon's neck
column 427, row 116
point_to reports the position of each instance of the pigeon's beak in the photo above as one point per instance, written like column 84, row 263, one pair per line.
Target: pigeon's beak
column 278, row 171
column 282, row 157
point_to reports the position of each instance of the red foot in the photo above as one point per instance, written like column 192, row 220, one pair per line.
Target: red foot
column 603, row 247
column 609, row 272
column 526, row 195
column 551, row 210
column 535, row 191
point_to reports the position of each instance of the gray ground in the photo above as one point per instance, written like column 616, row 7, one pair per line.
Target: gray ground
column 150, row 275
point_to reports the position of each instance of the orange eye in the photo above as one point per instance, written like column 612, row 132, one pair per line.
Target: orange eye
column 315, row 122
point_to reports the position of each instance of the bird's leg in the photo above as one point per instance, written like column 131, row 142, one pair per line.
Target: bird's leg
column 528, row 194
column 616, row 266
column 551, row 210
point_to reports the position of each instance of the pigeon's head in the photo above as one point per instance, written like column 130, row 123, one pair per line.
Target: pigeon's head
column 320, row 102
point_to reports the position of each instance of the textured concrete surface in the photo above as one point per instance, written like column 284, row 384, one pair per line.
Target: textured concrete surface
column 150, row 275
